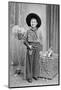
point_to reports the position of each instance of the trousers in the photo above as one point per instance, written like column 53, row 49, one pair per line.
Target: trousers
column 32, row 63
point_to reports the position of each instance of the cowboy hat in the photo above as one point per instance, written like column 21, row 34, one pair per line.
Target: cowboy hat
column 31, row 16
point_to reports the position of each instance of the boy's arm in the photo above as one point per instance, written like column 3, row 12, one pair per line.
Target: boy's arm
column 26, row 41
column 24, row 38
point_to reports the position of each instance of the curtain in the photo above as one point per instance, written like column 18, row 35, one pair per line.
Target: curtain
column 17, row 48
column 52, row 25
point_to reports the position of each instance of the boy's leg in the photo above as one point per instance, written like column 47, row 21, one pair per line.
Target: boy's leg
column 36, row 65
column 29, row 61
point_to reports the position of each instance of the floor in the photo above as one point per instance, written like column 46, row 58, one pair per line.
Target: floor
column 18, row 81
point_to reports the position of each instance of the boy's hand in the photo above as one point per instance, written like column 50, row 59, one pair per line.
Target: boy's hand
column 30, row 46
column 20, row 36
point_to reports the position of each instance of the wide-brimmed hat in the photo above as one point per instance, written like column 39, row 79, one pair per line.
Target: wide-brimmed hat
column 33, row 15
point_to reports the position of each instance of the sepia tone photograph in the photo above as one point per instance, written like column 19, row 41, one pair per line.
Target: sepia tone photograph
column 33, row 32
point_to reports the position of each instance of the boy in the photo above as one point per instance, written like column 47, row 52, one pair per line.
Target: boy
column 33, row 47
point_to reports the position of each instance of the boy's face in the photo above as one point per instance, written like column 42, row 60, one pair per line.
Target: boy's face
column 33, row 23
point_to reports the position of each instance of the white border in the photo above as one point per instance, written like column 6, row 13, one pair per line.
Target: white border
column 4, row 43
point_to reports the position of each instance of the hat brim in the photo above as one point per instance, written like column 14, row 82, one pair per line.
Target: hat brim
column 33, row 15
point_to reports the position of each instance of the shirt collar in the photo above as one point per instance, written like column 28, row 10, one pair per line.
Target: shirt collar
column 34, row 29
